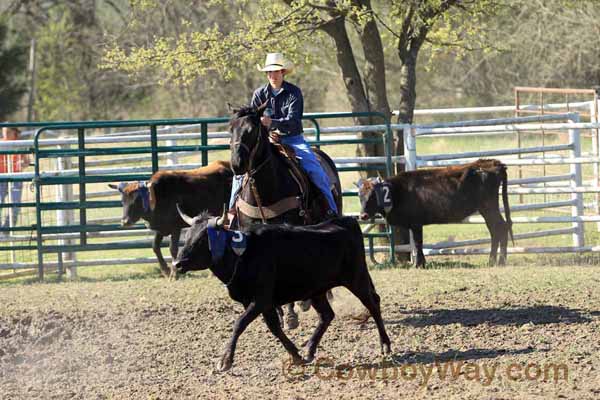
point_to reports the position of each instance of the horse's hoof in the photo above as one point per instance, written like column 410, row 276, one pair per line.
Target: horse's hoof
column 309, row 358
column 292, row 321
column 305, row 305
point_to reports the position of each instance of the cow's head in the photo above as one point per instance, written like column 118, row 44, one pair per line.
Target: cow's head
column 246, row 135
column 375, row 197
column 137, row 200
column 195, row 253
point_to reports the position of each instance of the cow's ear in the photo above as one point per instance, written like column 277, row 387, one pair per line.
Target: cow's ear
column 151, row 195
column 113, row 186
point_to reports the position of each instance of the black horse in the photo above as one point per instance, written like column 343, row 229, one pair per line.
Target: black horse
column 270, row 193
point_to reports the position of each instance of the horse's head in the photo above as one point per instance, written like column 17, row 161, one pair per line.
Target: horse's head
column 245, row 129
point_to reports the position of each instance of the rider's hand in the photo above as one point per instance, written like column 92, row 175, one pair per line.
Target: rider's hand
column 274, row 138
column 266, row 121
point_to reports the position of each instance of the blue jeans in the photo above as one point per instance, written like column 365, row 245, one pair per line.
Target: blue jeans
column 308, row 162
column 16, row 197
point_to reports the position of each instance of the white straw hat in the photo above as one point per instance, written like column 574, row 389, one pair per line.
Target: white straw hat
column 276, row 62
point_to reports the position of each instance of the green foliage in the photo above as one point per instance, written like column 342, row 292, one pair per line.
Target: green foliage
column 69, row 83
column 59, row 89
column 13, row 64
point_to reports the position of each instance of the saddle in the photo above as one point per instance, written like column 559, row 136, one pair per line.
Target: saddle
column 288, row 154
column 265, row 212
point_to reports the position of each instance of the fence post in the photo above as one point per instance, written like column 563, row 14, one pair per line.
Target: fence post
column 10, row 211
column 410, row 157
column 576, row 180
column 204, row 142
column 595, row 152
column 410, row 148
column 65, row 217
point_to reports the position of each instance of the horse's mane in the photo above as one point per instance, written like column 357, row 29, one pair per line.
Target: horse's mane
column 245, row 111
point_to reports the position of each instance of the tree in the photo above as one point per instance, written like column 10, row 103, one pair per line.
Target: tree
column 69, row 37
column 357, row 30
column 13, row 64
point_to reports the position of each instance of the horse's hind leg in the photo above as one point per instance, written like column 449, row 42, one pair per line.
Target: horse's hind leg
column 291, row 318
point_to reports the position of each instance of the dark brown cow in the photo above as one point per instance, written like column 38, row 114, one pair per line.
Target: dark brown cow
column 440, row 196
column 197, row 190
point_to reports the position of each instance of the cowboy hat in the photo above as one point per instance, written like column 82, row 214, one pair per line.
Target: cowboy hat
column 276, row 62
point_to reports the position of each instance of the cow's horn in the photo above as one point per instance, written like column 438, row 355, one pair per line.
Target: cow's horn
column 186, row 218
column 379, row 177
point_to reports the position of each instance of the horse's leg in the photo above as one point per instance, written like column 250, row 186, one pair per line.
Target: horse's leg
column 291, row 318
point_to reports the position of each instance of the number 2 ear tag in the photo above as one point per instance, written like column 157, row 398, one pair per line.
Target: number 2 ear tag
column 384, row 196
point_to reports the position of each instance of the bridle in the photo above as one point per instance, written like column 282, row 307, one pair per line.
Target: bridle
column 254, row 170
column 252, row 152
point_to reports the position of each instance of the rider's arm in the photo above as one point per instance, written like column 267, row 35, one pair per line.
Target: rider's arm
column 292, row 110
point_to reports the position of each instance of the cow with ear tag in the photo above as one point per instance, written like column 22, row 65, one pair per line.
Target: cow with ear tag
column 267, row 266
column 413, row 199
column 205, row 188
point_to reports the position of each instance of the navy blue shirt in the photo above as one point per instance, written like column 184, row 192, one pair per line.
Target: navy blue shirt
column 287, row 107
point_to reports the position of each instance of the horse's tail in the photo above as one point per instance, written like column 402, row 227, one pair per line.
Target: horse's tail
column 329, row 167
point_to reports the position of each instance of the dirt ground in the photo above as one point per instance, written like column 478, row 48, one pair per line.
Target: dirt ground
column 456, row 333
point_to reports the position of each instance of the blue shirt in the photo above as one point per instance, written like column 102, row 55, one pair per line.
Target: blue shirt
column 287, row 107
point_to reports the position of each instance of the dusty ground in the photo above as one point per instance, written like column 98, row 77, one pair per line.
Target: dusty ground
column 153, row 339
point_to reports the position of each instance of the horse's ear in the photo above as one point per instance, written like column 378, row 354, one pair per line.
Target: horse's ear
column 233, row 109
column 261, row 109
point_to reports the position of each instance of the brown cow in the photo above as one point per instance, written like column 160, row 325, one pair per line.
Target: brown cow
column 440, row 196
column 197, row 190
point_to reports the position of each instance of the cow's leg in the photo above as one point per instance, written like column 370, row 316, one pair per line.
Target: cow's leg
column 418, row 238
column 498, row 229
column 249, row 315
column 363, row 288
column 291, row 318
column 326, row 315
column 173, row 247
column 272, row 321
column 164, row 269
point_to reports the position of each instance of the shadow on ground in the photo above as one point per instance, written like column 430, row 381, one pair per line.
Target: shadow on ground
column 538, row 315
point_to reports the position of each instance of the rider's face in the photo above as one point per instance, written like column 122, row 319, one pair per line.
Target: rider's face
column 275, row 78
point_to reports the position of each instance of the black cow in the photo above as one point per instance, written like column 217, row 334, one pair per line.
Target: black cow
column 440, row 196
column 282, row 264
column 205, row 188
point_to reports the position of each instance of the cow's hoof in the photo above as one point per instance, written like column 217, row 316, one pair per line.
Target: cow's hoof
column 292, row 321
column 386, row 349
column 309, row 358
column 305, row 305
column 225, row 364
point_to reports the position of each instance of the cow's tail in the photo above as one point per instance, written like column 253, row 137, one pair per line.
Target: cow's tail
column 505, row 202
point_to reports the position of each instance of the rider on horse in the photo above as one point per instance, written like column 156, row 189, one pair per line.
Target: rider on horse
column 283, row 117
